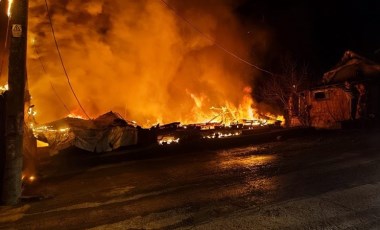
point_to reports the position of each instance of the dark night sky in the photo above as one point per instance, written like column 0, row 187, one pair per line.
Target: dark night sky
column 315, row 32
column 318, row 32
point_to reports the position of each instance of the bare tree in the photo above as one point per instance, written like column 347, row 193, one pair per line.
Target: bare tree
column 281, row 89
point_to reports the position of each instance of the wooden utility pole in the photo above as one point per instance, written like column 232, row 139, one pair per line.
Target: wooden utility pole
column 12, row 181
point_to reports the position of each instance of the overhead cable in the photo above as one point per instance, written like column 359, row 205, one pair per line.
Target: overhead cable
column 61, row 60
column 51, row 84
column 214, row 40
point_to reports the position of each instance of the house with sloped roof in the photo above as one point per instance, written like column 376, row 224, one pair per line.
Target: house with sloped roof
column 349, row 92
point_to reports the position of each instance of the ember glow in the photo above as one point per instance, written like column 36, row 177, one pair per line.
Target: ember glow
column 73, row 115
column 50, row 129
column 4, row 88
column 140, row 60
column 222, row 135
column 28, row 178
column 32, row 112
column 32, row 178
column 167, row 140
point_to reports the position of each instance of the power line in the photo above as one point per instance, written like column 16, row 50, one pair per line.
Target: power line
column 51, row 84
column 62, row 63
column 214, row 40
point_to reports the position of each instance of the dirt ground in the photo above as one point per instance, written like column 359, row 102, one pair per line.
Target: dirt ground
column 315, row 180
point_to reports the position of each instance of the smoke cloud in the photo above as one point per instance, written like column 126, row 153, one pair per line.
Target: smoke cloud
column 137, row 58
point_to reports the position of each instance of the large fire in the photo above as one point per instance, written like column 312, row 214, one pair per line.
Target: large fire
column 139, row 59
column 228, row 113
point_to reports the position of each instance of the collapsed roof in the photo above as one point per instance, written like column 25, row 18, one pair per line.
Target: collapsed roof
column 105, row 133
column 352, row 67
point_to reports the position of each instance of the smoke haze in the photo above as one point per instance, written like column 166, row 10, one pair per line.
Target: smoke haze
column 137, row 58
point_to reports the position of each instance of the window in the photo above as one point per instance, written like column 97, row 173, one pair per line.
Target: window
column 321, row 95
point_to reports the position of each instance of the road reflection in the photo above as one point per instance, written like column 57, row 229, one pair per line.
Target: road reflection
column 252, row 169
column 249, row 157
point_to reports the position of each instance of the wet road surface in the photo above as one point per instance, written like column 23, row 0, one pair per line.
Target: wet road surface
column 316, row 181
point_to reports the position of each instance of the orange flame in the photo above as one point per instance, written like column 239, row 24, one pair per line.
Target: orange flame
column 4, row 88
column 10, row 3
column 73, row 115
column 156, row 70
column 227, row 113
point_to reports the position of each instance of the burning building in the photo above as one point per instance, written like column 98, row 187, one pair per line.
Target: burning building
column 151, row 61
column 139, row 59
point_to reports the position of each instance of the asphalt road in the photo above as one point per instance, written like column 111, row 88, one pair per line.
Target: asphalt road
column 324, row 180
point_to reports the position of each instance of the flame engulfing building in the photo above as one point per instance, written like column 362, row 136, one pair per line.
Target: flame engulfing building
column 350, row 91
column 176, row 73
